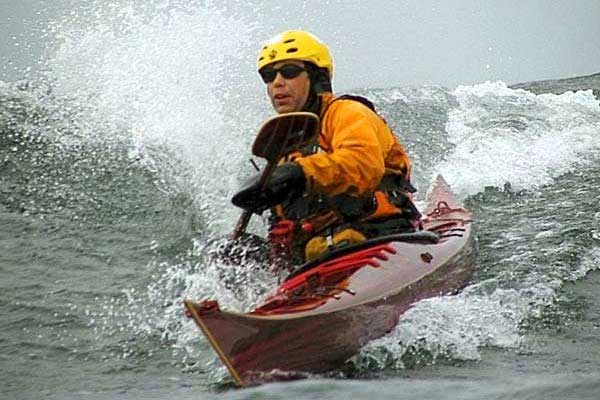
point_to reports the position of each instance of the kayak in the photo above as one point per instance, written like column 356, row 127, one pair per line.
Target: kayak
column 327, row 310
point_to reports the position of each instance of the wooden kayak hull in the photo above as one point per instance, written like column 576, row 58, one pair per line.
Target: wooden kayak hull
column 317, row 320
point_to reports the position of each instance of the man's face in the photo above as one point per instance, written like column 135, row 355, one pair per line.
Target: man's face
column 288, row 95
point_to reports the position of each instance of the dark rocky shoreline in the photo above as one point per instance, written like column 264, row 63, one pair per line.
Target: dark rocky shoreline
column 558, row 86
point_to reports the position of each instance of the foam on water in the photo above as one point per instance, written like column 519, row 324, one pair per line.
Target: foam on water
column 457, row 327
column 503, row 135
column 157, row 310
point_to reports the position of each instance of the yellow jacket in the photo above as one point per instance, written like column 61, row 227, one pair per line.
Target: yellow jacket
column 357, row 149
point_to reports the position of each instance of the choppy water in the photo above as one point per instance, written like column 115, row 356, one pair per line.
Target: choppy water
column 116, row 165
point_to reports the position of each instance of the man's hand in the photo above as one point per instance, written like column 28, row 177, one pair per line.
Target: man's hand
column 287, row 182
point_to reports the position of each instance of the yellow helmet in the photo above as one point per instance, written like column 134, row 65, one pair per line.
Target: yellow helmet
column 297, row 45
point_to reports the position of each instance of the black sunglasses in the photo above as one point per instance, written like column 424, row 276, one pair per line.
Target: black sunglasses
column 288, row 71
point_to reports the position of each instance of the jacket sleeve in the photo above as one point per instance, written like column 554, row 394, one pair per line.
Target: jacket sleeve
column 353, row 161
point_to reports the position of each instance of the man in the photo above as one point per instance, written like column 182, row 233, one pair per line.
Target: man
column 353, row 184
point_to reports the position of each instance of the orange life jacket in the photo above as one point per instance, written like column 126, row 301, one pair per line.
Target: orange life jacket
column 358, row 170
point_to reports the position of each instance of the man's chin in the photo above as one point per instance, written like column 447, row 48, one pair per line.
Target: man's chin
column 284, row 109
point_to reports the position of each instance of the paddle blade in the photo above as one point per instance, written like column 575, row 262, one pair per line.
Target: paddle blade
column 284, row 133
column 278, row 136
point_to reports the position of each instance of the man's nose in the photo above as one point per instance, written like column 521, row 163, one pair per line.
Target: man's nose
column 279, row 79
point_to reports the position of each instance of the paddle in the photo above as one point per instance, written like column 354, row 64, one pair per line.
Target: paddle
column 278, row 136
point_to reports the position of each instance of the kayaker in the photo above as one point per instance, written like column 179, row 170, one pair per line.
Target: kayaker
column 353, row 184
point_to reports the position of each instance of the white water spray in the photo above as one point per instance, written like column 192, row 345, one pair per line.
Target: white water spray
column 503, row 135
column 169, row 75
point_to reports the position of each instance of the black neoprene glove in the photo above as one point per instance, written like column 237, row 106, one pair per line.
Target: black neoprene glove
column 287, row 182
